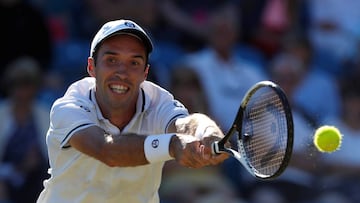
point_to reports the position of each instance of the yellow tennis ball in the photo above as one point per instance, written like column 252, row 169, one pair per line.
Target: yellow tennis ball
column 327, row 139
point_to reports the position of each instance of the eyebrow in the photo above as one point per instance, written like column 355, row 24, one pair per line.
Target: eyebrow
column 115, row 53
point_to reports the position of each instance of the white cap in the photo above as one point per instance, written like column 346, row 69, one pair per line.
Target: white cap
column 122, row 26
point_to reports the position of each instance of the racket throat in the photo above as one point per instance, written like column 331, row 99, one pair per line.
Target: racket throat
column 215, row 148
column 245, row 137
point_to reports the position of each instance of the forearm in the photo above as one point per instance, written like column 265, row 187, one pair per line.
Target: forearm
column 113, row 150
column 188, row 145
column 126, row 150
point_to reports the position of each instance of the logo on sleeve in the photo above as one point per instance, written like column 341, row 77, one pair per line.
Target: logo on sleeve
column 178, row 104
column 155, row 143
column 85, row 108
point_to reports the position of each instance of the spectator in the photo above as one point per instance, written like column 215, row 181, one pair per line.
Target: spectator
column 24, row 33
column 186, row 21
column 334, row 31
column 206, row 185
column 342, row 166
column 186, row 86
column 180, row 29
column 313, row 80
column 265, row 23
column 288, row 70
column 224, row 76
column 23, row 124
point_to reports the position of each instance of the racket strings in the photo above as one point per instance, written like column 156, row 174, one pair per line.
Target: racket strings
column 265, row 124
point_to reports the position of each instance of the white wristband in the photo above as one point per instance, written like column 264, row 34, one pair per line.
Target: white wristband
column 156, row 148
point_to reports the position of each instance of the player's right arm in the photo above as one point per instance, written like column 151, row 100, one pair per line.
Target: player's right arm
column 128, row 149
column 112, row 150
column 74, row 125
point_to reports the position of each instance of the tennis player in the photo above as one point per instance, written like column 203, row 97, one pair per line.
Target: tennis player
column 111, row 133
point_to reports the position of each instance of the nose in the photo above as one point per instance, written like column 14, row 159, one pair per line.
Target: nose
column 121, row 71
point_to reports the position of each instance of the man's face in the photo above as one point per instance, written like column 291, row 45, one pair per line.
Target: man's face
column 121, row 66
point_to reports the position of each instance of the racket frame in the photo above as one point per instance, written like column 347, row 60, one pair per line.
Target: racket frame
column 220, row 146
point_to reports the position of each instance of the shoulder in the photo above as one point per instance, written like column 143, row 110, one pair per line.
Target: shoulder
column 157, row 97
column 155, row 92
column 161, row 108
column 76, row 98
column 199, row 59
column 81, row 87
column 77, row 92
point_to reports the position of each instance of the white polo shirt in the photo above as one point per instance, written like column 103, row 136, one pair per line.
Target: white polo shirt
column 76, row 177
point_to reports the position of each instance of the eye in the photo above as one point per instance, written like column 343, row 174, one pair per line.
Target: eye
column 111, row 60
column 135, row 63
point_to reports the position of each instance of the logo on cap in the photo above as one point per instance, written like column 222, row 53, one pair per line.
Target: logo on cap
column 106, row 28
column 129, row 24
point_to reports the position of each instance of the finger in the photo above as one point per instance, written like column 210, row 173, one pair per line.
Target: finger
column 205, row 154
column 200, row 158
column 217, row 159
column 193, row 156
column 205, row 158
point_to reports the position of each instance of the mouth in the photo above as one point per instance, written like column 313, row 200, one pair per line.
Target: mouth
column 119, row 89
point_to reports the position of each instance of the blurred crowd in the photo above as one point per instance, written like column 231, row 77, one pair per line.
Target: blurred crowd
column 207, row 53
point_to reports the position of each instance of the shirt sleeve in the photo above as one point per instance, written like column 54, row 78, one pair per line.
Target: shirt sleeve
column 170, row 110
column 69, row 116
column 179, row 112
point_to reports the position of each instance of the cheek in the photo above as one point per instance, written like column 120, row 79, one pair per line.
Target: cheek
column 139, row 78
column 103, row 71
column 139, row 75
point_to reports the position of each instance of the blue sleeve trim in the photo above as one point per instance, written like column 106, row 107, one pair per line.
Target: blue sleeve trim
column 71, row 131
column 173, row 118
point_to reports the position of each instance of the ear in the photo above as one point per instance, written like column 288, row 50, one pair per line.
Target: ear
column 91, row 67
column 146, row 71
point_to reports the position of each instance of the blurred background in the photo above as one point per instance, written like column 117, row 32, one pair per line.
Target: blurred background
column 207, row 53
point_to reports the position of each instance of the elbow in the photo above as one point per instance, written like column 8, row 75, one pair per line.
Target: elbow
column 107, row 157
column 120, row 161
column 114, row 163
column 113, row 157
column 110, row 162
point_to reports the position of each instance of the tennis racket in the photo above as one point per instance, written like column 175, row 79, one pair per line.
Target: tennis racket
column 264, row 132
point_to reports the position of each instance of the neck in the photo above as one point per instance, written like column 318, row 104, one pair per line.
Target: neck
column 223, row 54
column 119, row 116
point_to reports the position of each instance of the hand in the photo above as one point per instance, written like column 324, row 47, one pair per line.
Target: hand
column 204, row 129
column 198, row 125
column 188, row 151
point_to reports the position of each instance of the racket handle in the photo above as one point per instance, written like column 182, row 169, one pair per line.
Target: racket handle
column 215, row 148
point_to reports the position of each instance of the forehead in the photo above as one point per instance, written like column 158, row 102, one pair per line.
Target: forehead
column 124, row 42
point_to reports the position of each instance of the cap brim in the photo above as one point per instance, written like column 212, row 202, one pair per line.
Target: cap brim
column 142, row 36
column 136, row 33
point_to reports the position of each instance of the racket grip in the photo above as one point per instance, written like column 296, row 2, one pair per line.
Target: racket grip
column 215, row 148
